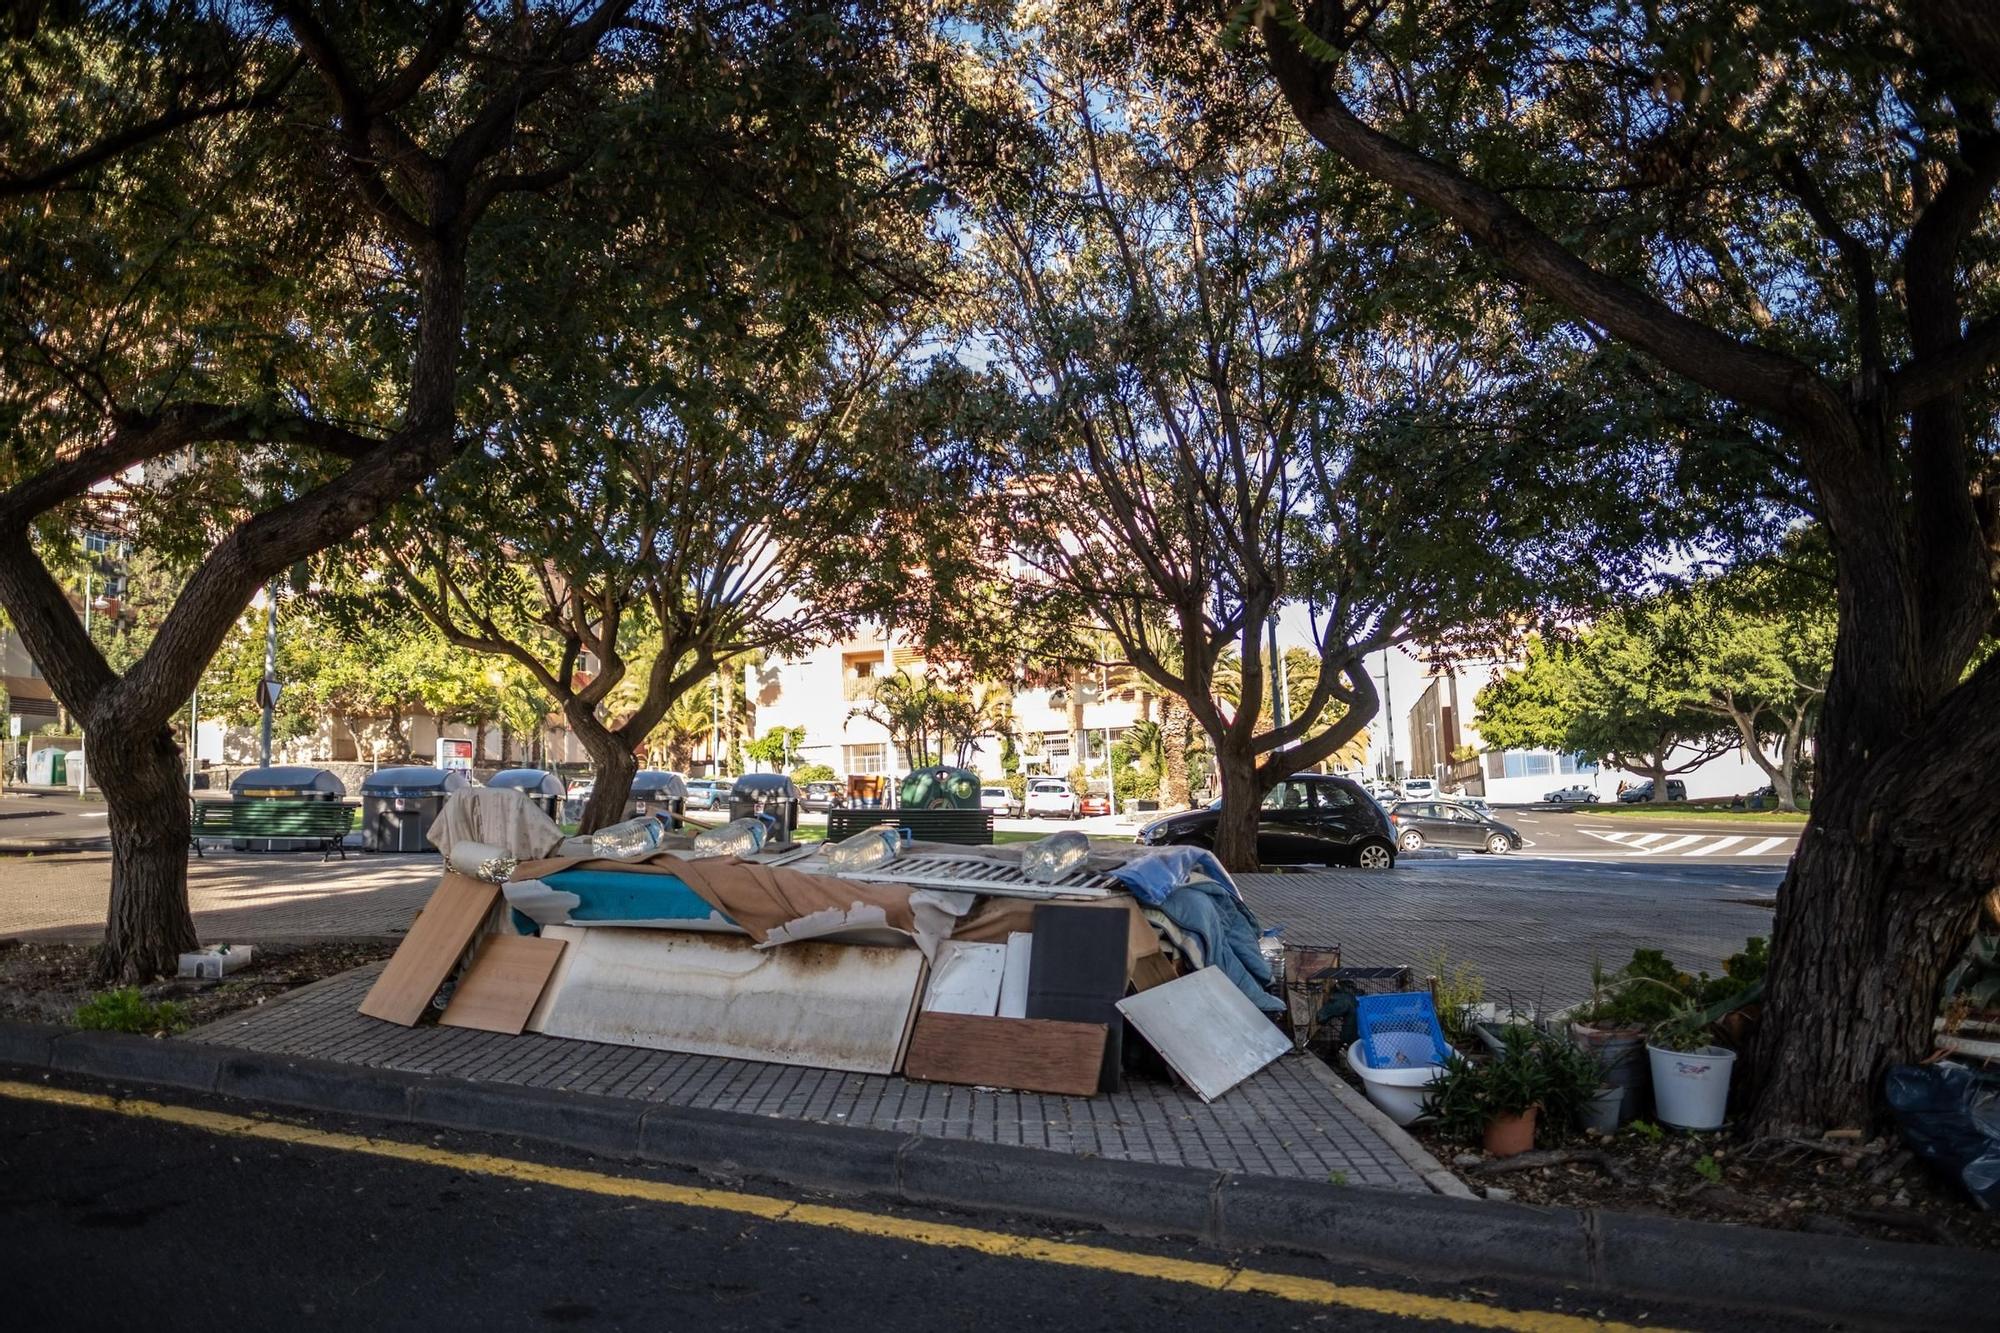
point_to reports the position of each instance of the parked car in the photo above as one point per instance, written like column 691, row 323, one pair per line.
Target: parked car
column 1418, row 789
column 1000, row 801
column 709, row 793
column 1572, row 796
column 1643, row 791
column 581, row 789
column 822, row 796
column 1051, row 798
column 1094, row 803
column 1476, row 804
column 1450, row 824
column 1308, row 819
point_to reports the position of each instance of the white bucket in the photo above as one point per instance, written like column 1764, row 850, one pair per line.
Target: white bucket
column 1691, row 1088
column 1399, row 1092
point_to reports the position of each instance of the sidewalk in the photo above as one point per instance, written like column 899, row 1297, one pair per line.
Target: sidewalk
column 1293, row 1120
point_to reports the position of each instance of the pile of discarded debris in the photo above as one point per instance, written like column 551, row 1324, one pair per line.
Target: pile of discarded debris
column 970, row 965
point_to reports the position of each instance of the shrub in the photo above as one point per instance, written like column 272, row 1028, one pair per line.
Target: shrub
column 127, row 1010
column 1536, row 1069
column 1458, row 991
column 805, row 773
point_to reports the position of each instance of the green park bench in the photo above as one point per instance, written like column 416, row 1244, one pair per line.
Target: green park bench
column 968, row 828
column 324, row 822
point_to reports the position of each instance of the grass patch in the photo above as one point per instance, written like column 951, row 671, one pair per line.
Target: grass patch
column 127, row 1010
column 1704, row 813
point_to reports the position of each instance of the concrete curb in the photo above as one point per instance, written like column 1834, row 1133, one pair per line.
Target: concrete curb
column 1425, row 1235
column 1435, row 1173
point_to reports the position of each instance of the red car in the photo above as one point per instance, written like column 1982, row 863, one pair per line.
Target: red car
column 1094, row 803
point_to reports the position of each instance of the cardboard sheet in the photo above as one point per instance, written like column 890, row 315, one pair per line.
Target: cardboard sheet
column 835, row 1006
column 430, row 952
column 1206, row 1029
column 499, row 990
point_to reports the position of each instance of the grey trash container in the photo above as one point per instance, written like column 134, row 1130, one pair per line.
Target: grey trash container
column 398, row 805
column 770, row 794
column 657, row 792
column 542, row 788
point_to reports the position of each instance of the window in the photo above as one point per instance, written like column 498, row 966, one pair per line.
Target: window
column 1334, row 797
column 866, row 759
column 1287, row 796
column 1576, row 763
column 1530, row 764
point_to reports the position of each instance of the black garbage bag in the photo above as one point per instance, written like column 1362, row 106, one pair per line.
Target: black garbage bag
column 1949, row 1115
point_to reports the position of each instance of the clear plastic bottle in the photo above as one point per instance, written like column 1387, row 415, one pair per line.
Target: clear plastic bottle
column 634, row 837
column 739, row 837
column 1271, row 944
column 864, row 851
column 1046, row 860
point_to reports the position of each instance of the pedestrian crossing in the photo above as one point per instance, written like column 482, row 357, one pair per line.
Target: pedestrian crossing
column 1691, row 844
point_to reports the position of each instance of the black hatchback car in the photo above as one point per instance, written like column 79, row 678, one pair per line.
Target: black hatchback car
column 1449, row 824
column 1308, row 819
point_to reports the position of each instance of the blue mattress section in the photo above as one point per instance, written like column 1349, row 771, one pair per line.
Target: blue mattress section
column 623, row 895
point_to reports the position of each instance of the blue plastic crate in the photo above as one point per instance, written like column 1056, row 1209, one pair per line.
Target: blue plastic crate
column 1399, row 1031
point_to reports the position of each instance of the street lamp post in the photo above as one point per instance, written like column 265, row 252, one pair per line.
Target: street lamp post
column 269, row 691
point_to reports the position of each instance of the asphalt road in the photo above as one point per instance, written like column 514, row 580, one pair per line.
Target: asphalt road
column 1585, row 835
column 111, row 1221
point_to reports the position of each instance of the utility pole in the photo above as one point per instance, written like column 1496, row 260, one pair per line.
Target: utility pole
column 1389, row 712
column 270, row 687
column 194, row 735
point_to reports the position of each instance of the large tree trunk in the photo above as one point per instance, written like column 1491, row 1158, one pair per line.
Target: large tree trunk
column 1176, row 725
column 1658, row 772
column 1242, row 801
column 149, row 925
column 614, row 765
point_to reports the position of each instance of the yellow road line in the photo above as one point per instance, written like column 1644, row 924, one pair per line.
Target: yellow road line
column 1213, row 1277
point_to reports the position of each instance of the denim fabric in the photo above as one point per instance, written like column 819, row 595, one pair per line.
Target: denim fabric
column 1228, row 934
column 1156, row 875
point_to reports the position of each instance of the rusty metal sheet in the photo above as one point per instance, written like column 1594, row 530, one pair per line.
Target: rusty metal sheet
column 831, row 1006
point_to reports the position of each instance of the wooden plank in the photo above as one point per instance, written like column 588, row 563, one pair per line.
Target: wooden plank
column 966, row 978
column 437, row 940
column 834, row 1006
column 499, row 990
column 1154, row 969
column 1014, row 978
column 1206, row 1029
column 1031, row 1054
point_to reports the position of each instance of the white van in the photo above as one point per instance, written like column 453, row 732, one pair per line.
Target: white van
column 1419, row 789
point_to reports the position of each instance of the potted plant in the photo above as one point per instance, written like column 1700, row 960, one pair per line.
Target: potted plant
column 1690, row 1072
column 1499, row 1102
column 1612, row 1023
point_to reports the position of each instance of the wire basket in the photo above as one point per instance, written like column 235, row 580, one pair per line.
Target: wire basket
column 1399, row 1031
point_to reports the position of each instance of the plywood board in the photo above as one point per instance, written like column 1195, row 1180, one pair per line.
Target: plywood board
column 499, row 990
column 833, row 1006
column 966, row 979
column 1153, row 969
column 1206, row 1029
column 1014, row 978
column 1029, row 1054
column 428, row 954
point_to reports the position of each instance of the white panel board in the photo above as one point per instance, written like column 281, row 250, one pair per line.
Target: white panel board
column 831, row 1006
column 1014, row 982
column 966, row 979
column 1206, row 1029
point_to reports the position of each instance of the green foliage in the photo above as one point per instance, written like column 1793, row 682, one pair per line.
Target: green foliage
column 126, row 1010
column 1708, row 1169
column 1646, row 1130
column 805, row 773
column 1458, row 990
column 1685, row 1028
column 775, row 746
column 1535, row 1069
column 1976, row 979
column 1649, row 989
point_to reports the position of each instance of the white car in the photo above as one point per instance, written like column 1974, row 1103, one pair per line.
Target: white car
column 1051, row 798
column 999, row 800
column 1419, row 789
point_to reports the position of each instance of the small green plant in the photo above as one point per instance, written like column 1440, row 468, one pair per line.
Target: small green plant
column 1458, row 992
column 1336, row 1178
column 1647, row 1130
column 1709, row 1169
column 127, row 1010
column 1687, row 1028
column 1535, row 1069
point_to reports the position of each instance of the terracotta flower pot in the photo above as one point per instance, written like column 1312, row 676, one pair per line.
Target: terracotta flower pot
column 1511, row 1135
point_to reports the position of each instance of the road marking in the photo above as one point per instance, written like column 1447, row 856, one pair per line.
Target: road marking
column 1661, row 849
column 1066, row 1254
column 1715, row 846
column 1758, row 849
column 1640, row 839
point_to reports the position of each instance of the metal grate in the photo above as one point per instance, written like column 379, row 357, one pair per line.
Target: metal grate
column 976, row 874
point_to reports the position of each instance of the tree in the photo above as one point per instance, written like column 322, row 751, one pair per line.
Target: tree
column 776, row 747
column 235, row 266
column 1218, row 414
column 904, row 704
column 1612, row 694
column 1788, row 208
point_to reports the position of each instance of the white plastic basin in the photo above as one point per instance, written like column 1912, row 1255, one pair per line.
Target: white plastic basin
column 1398, row 1092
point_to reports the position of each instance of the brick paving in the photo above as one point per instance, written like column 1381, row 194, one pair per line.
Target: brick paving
column 1284, row 1121
column 235, row 897
column 1528, row 928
